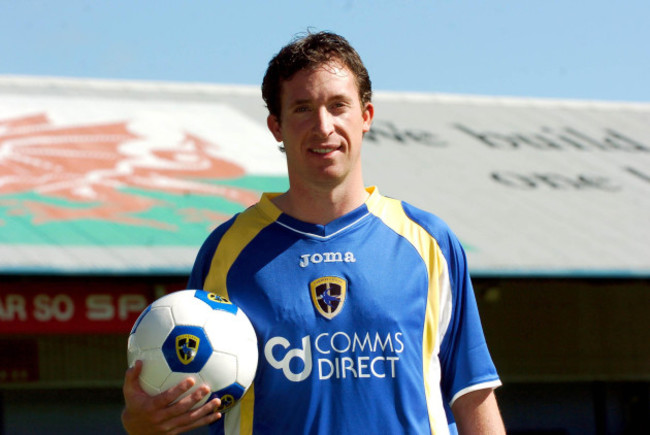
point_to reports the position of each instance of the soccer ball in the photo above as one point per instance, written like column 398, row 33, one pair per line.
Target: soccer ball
column 193, row 333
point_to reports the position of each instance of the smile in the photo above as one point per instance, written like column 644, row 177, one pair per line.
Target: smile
column 323, row 150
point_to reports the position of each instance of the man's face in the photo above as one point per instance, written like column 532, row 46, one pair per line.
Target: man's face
column 322, row 125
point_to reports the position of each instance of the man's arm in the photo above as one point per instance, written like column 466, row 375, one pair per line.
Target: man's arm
column 144, row 414
column 477, row 412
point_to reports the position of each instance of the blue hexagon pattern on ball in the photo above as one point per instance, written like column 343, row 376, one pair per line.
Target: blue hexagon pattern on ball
column 193, row 333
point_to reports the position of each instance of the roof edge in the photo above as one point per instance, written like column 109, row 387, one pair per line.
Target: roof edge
column 96, row 86
column 512, row 101
column 44, row 85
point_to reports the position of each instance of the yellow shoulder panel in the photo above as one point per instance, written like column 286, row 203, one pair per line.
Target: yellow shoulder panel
column 246, row 226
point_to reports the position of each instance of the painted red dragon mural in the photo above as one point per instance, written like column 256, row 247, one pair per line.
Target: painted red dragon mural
column 92, row 166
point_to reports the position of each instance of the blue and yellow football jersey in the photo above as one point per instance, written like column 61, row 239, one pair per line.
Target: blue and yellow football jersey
column 365, row 325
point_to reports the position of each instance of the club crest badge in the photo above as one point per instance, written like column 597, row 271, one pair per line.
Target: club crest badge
column 226, row 402
column 187, row 346
column 328, row 295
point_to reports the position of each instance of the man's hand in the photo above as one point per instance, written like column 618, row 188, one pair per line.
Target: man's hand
column 144, row 414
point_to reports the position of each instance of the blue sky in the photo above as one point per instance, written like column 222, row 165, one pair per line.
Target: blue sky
column 576, row 49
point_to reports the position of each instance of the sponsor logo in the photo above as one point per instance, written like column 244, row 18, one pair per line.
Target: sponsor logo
column 327, row 257
column 187, row 345
column 303, row 355
column 337, row 355
column 328, row 295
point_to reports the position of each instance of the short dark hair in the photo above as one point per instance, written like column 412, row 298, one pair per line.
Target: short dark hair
column 310, row 51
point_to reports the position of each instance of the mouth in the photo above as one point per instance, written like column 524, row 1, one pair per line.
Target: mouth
column 322, row 150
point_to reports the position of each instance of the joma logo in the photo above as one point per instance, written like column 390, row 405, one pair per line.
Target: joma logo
column 326, row 257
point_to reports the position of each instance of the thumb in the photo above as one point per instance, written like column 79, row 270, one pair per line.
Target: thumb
column 131, row 380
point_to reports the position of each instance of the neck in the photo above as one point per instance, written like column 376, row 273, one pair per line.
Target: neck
column 320, row 207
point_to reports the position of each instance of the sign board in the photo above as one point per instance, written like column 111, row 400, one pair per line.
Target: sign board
column 84, row 306
column 123, row 185
column 129, row 178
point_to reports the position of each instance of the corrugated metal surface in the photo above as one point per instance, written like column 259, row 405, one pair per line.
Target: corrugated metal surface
column 123, row 178
column 531, row 187
column 541, row 187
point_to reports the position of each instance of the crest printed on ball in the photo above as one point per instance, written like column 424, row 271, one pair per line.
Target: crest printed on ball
column 187, row 345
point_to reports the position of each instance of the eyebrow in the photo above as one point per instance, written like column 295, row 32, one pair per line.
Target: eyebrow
column 337, row 97
column 299, row 102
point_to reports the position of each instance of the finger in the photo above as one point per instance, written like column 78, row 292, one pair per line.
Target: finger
column 185, row 404
column 180, row 416
column 169, row 396
column 204, row 415
column 209, row 409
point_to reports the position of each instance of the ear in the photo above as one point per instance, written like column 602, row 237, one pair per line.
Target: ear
column 273, row 123
column 368, row 114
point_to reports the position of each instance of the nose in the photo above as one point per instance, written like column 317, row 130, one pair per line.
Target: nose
column 324, row 122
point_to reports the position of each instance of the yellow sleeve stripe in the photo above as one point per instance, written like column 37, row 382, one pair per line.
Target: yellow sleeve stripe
column 246, row 226
column 247, row 404
column 238, row 420
column 391, row 212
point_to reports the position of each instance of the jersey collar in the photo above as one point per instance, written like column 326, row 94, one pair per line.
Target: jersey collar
column 315, row 230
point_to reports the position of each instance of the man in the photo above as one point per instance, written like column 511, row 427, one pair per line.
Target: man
column 362, row 304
